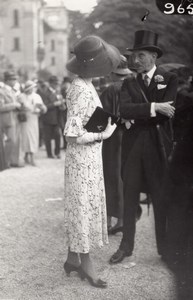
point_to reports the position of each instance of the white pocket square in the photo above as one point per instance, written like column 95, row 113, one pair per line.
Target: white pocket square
column 161, row 86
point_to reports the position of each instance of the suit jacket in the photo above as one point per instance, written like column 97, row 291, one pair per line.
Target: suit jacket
column 133, row 106
column 51, row 117
column 181, row 166
column 7, row 107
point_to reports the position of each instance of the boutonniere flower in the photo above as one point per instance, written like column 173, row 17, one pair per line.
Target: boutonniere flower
column 158, row 78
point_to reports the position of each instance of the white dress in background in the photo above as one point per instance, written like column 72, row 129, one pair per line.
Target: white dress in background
column 30, row 128
column 85, row 222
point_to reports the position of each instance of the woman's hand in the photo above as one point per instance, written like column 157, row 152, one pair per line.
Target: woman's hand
column 109, row 129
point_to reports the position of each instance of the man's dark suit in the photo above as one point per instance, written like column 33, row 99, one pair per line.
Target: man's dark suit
column 51, row 122
column 142, row 154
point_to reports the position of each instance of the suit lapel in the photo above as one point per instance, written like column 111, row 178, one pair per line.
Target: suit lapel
column 153, row 83
column 141, row 83
column 142, row 88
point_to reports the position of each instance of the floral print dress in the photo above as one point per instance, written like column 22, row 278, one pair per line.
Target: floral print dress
column 85, row 224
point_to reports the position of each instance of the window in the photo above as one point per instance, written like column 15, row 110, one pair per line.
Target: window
column 52, row 45
column 53, row 61
column 16, row 44
column 16, row 18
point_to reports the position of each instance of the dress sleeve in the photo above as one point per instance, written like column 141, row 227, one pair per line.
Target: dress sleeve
column 78, row 113
column 74, row 127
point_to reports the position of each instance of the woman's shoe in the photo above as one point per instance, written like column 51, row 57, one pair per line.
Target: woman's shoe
column 68, row 268
column 99, row 283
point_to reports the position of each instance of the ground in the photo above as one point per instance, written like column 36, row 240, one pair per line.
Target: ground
column 32, row 250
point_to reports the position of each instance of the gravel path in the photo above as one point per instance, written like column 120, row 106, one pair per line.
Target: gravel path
column 32, row 252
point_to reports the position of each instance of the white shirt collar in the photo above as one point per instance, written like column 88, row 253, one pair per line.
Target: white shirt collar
column 151, row 72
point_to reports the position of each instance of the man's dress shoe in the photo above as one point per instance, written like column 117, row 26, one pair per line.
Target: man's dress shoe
column 118, row 256
column 113, row 230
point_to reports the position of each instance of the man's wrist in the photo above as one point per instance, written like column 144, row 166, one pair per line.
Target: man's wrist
column 153, row 109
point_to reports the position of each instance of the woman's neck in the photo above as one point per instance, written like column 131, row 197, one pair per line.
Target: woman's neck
column 86, row 79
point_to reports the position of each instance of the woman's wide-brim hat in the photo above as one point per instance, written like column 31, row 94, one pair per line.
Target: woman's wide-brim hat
column 122, row 68
column 146, row 40
column 93, row 57
column 29, row 85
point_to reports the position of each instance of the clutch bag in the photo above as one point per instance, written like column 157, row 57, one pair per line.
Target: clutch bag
column 99, row 120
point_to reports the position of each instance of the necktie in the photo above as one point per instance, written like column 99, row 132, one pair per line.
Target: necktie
column 146, row 80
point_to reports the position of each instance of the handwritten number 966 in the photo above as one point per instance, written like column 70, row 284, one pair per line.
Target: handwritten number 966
column 180, row 10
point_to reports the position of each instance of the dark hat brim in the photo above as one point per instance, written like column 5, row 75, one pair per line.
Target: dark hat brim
column 123, row 72
column 103, row 64
column 148, row 48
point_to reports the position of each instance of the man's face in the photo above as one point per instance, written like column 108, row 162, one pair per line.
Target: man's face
column 144, row 60
column 11, row 82
column 54, row 85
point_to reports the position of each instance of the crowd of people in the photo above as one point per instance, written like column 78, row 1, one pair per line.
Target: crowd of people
column 31, row 113
column 148, row 149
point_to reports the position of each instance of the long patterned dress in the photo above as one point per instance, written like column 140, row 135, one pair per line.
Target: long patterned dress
column 85, row 224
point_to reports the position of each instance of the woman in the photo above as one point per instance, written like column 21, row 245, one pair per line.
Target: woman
column 33, row 106
column 85, row 208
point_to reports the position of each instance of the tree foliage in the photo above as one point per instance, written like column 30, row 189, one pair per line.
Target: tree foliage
column 117, row 20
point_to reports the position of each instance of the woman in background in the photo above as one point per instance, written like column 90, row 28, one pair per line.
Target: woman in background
column 33, row 106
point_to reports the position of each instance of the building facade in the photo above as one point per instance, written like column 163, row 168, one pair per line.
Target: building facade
column 33, row 36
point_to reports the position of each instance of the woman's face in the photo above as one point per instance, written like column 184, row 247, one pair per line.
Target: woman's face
column 29, row 91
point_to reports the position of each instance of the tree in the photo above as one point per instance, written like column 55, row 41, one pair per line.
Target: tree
column 117, row 20
column 77, row 26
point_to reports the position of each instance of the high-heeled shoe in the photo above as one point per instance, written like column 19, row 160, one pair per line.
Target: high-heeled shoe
column 99, row 283
column 68, row 268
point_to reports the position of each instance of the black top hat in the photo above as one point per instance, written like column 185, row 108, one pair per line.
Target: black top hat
column 146, row 40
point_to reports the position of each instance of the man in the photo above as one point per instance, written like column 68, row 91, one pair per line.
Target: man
column 147, row 101
column 51, row 119
column 180, row 180
column 9, row 122
column 110, row 99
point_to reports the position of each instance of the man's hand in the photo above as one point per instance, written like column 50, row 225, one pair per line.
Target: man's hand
column 165, row 108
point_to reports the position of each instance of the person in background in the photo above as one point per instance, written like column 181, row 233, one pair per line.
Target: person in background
column 9, row 123
column 179, row 193
column 110, row 99
column 42, row 87
column 53, row 100
column 2, row 150
column 33, row 106
column 147, row 102
column 66, row 83
column 85, row 220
